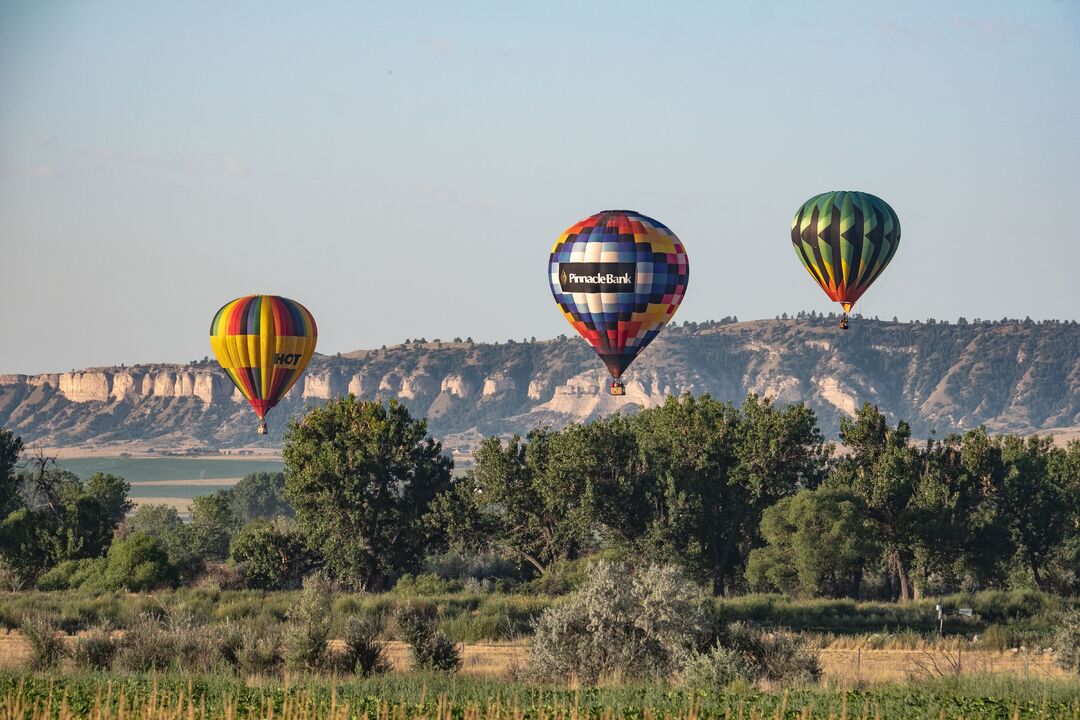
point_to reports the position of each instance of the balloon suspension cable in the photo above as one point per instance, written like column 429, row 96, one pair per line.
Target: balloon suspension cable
column 262, row 427
column 617, row 388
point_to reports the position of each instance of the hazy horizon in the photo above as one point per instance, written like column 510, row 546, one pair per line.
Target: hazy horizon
column 404, row 170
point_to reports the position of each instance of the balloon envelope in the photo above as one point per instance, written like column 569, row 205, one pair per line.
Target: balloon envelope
column 263, row 342
column 618, row 278
column 844, row 240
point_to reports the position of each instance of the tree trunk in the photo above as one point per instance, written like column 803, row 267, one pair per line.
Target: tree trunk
column 721, row 564
column 1033, row 561
column 856, row 583
column 897, row 561
column 533, row 561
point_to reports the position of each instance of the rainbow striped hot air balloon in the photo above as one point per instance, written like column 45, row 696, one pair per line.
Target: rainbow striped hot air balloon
column 263, row 342
column 618, row 278
column 844, row 240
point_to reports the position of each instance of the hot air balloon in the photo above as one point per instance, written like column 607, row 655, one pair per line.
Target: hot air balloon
column 263, row 342
column 618, row 277
column 845, row 239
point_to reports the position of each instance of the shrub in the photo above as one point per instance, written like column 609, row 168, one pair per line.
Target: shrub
column 96, row 650
column 72, row 574
column 996, row 637
column 429, row 648
column 364, row 653
column 426, row 585
column 631, row 624
column 1067, row 643
column 46, row 644
column 259, row 650
column 138, row 562
column 146, row 646
column 779, row 656
column 199, row 648
column 717, row 668
column 309, row 628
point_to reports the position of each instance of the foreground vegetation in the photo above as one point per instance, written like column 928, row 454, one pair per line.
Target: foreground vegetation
column 621, row 551
column 439, row 697
column 1000, row 620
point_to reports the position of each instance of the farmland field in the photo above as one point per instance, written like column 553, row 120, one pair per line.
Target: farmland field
column 142, row 470
column 441, row 697
column 171, row 481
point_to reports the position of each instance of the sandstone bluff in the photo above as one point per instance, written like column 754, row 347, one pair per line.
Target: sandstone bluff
column 1011, row 376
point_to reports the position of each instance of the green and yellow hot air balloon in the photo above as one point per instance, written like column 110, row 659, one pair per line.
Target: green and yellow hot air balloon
column 844, row 240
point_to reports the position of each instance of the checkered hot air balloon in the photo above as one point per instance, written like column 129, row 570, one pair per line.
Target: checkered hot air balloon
column 263, row 342
column 618, row 277
column 845, row 239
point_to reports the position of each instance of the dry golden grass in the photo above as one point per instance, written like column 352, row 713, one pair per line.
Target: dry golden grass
column 849, row 668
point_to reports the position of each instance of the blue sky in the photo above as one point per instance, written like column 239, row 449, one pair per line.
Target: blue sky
column 403, row 168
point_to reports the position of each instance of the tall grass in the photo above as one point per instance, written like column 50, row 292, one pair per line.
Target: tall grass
column 1022, row 617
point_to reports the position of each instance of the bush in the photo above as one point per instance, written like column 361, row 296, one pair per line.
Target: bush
column 259, row 650
column 309, row 628
column 624, row 623
column 717, row 668
column 201, row 648
column 779, row 656
column 46, row 644
column 997, row 637
column 429, row 649
column 96, row 650
column 1067, row 643
column 138, row 562
column 146, row 646
column 72, row 574
column 426, row 585
column 364, row 653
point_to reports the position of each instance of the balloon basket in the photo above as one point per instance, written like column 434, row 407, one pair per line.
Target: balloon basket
column 262, row 428
column 617, row 388
column 844, row 321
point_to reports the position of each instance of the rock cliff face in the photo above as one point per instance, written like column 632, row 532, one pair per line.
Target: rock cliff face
column 1010, row 376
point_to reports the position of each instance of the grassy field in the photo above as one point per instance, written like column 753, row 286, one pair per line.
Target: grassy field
column 1001, row 620
column 434, row 697
column 170, row 481
column 139, row 470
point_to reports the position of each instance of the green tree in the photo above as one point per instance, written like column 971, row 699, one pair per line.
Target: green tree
column 882, row 468
column 705, row 474
column 260, row 495
column 11, row 447
column 163, row 523
column 362, row 477
column 154, row 520
column 212, row 525
column 958, row 534
column 1040, row 496
column 525, row 497
column 99, row 507
column 59, row 517
column 271, row 555
column 817, row 544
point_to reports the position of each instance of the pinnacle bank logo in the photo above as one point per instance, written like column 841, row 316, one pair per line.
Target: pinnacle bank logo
column 597, row 277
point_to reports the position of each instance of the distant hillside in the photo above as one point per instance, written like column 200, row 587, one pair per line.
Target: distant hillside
column 1011, row 376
